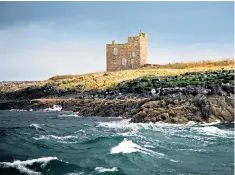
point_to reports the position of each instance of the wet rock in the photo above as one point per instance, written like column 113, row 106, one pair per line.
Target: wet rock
column 227, row 116
column 164, row 116
column 212, row 118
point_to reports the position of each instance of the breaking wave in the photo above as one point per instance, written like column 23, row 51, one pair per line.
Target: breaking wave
column 48, row 137
column 102, row 169
column 127, row 146
column 214, row 131
column 35, row 126
column 126, row 124
column 212, row 123
column 23, row 166
column 54, row 108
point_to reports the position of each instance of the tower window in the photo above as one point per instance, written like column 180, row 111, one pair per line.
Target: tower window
column 132, row 61
column 115, row 51
column 124, row 61
column 133, row 54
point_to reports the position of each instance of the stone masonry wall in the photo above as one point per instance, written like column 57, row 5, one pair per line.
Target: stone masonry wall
column 125, row 58
column 143, row 49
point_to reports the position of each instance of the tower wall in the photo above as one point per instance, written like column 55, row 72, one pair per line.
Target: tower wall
column 130, row 55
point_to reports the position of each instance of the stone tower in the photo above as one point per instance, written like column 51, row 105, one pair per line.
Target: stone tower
column 130, row 55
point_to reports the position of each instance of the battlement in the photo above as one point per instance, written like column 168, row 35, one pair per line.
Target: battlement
column 130, row 55
column 131, row 38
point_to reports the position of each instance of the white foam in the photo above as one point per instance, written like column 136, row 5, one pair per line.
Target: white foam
column 126, row 128
column 66, row 142
column 102, row 169
column 18, row 110
column 68, row 115
column 35, row 125
column 172, row 160
column 126, row 124
column 194, row 150
column 212, row 123
column 191, row 123
column 214, row 131
column 127, row 146
column 82, row 130
column 21, row 165
column 55, row 108
column 75, row 173
column 128, row 134
column 48, row 137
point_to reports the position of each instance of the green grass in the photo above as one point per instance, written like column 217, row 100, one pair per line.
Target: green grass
column 212, row 77
column 103, row 80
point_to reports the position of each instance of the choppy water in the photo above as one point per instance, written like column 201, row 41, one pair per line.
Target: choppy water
column 60, row 143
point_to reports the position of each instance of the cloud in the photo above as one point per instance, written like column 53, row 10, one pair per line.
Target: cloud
column 37, row 51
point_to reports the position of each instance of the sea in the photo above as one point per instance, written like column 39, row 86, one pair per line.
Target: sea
column 63, row 143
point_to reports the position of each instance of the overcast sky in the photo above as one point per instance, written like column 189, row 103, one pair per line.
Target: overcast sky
column 42, row 39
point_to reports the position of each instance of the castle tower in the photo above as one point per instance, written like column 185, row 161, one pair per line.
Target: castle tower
column 130, row 55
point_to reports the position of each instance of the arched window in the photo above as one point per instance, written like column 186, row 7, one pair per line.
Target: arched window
column 124, row 61
column 133, row 54
column 115, row 51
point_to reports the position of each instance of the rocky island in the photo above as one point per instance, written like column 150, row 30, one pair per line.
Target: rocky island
column 172, row 93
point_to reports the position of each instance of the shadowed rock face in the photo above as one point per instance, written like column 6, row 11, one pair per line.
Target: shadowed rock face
column 199, row 97
column 184, row 109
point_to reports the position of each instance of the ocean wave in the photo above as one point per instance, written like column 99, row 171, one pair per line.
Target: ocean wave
column 127, row 146
column 48, row 137
column 126, row 124
column 35, row 126
column 22, row 166
column 102, row 169
column 214, row 131
column 127, row 129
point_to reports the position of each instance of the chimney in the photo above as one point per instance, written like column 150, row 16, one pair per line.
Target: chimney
column 113, row 42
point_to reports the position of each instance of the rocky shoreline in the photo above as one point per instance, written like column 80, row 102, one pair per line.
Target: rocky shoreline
column 198, row 97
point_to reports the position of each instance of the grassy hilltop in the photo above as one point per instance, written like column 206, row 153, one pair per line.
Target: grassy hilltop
column 103, row 80
column 106, row 80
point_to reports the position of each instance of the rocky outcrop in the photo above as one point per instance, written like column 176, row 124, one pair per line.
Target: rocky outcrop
column 181, row 110
column 34, row 92
column 199, row 97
